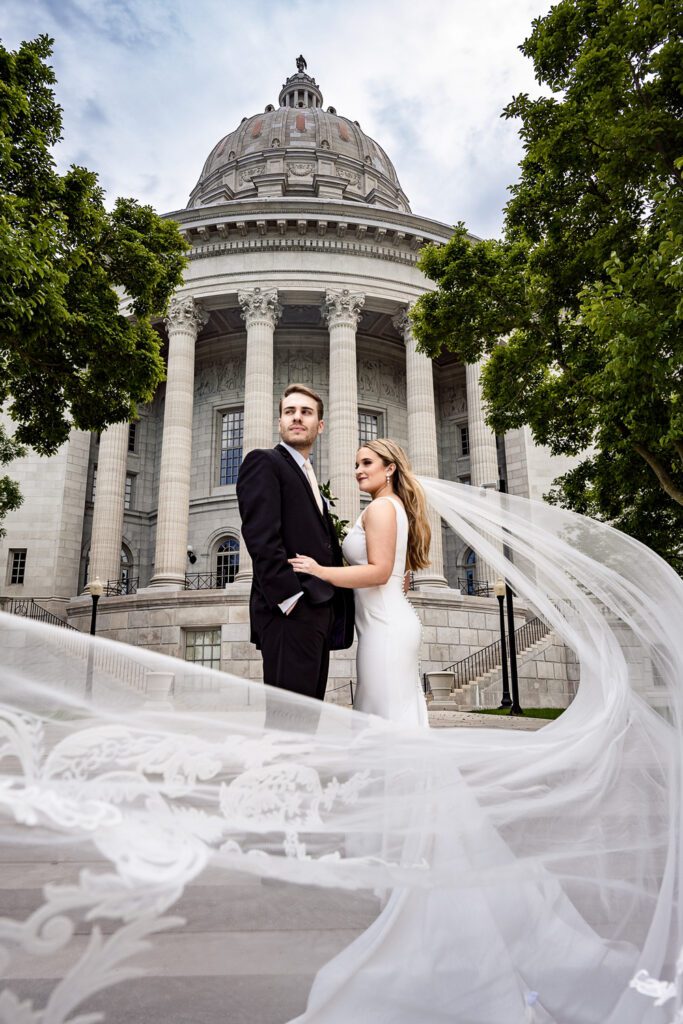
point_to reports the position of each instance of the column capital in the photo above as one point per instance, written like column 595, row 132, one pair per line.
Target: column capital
column 185, row 314
column 401, row 322
column 342, row 307
column 259, row 304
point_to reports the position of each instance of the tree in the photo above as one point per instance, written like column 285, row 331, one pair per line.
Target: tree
column 68, row 355
column 586, row 285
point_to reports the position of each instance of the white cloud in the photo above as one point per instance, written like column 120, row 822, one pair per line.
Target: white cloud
column 148, row 87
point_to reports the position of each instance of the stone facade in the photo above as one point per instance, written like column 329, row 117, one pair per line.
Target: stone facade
column 453, row 627
column 303, row 267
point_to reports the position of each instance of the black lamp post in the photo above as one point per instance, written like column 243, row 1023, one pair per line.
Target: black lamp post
column 515, row 708
column 95, row 589
column 499, row 591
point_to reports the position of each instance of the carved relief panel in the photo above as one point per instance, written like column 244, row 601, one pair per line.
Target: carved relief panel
column 220, row 378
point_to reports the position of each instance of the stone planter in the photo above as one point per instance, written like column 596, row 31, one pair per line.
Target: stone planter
column 441, row 684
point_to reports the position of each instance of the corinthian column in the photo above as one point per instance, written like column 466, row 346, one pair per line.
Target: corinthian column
column 483, row 452
column 107, row 523
column 422, row 447
column 341, row 310
column 260, row 312
column 183, row 323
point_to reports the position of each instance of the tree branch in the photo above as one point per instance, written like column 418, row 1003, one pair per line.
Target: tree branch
column 661, row 472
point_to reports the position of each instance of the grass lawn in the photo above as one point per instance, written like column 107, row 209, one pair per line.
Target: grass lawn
column 529, row 712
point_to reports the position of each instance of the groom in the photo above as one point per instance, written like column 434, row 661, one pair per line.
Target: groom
column 295, row 619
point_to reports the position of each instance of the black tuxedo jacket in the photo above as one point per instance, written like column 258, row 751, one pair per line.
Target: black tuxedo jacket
column 280, row 517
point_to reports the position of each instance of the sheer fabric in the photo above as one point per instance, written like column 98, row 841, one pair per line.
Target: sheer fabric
column 154, row 832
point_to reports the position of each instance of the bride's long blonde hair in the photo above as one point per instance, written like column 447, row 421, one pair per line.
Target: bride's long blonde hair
column 411, row 494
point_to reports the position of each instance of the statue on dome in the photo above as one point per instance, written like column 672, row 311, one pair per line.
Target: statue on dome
column 301, row 64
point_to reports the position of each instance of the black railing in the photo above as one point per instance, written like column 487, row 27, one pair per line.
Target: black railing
column 27, row 607
column 119, row 588
column 470, row 587
column 488, row 658
column 206, row 580
column 343, row 686
column 474, row 588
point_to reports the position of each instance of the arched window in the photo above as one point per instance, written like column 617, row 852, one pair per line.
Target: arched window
column 471, row 571
column 125, row 580
column 126, row 573
column 227, row 561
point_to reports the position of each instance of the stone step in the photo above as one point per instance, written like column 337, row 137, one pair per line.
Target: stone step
column 247, row 954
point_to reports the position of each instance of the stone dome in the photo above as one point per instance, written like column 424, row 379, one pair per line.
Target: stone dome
column 299, row 149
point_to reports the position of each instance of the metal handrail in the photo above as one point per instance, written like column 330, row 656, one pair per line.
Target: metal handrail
column 481, row 662
column 342, row 686
column 474, row 589
column 206, row 580
column 122, row 587
column 469, row 587
column 30, row 609
column 111, row 660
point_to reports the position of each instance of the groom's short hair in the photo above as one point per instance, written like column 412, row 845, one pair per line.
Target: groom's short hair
column 304, row 390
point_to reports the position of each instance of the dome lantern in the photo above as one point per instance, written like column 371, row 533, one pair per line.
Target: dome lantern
column 300, row 90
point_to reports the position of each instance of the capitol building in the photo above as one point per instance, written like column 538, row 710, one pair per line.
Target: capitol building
column 302, row 268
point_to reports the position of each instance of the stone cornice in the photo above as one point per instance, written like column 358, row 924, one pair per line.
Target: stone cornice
column 199, row 224
column 304, row 244
column 282, row 224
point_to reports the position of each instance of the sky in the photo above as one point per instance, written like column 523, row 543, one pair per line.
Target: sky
column 148, row 87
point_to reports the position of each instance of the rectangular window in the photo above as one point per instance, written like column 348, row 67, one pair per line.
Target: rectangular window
column 232, row 434
column 130, row 492
column 203, row 647
column 93, row 486
column 132, row 432
column 17, row 565
column 464, row 439
column 369, row 426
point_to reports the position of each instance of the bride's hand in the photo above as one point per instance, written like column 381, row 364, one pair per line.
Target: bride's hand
column 302, row 563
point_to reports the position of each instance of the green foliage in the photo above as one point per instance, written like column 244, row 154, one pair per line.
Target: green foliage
column 586, row 286
column 341, row 526
column 10, row 498
column 68, row 357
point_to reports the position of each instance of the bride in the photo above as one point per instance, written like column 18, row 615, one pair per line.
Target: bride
column 391, row 535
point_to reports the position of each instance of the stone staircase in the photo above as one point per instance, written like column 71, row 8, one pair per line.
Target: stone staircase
column 541, row 683
column 485, row 690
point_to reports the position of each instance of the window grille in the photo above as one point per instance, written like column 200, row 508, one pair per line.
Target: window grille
column 369, row 426
column 203, row 647
column 17, row 565
column 464, row 439
column 128, row 499
column 232, row 435
column 227, row 561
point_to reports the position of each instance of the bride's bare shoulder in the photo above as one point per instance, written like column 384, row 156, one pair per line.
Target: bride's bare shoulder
column 380, row 511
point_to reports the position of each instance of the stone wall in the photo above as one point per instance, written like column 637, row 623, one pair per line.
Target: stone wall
column 453, row 627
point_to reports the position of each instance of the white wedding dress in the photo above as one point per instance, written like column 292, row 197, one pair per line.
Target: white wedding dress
column 389, row 634
column 534, row 876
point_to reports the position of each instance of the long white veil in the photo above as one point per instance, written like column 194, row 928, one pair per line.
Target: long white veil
column 155, row 833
